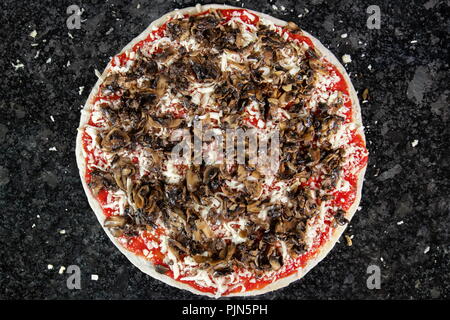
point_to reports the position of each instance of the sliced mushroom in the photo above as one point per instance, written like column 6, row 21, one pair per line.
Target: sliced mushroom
column 204, row 227
column 101, row 180
column 210, row 173
column 114, row 222
column 173, row 123
column 163, row 122
column 292, row 26
column 200, row 258
column 161, row 269
column 151, row 123
column 115, row 140
column 275, row 263
column 122, row 171
column 241, row 173
column 140, row 196
column 161, row 86
column 192, row 180
column 254, row 188
column 315, row 155
column 254, row 207
column 339, row 217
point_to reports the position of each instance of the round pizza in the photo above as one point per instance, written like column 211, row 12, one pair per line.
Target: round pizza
column 222, row 151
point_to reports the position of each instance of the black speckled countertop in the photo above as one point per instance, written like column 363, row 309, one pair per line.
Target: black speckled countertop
column 404, row 219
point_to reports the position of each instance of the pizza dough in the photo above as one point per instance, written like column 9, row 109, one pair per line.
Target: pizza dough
column 148, row 266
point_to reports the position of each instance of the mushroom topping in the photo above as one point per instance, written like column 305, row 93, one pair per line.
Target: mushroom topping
column 122, row 171
column 254, row 188
column 209, row 174
column 140, row 196
column 161, row 269
column 292, row 26
column 100, row 180
column 116, row 225
column 203, row 226
column 192, row 180
column 115, row 140
column 204, row 71
column 275, row 263
column 223, row 216
column 114, row 222
column 339, row 217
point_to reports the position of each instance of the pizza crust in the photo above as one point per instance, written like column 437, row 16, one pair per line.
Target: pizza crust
column 145, row 265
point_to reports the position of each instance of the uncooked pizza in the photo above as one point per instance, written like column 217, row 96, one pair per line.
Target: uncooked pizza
column 210, row 225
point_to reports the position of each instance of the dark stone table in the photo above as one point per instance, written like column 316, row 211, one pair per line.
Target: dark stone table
column 403, row 223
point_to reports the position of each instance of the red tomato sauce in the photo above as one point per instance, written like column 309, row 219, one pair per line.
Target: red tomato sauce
column 341, row 85
column 242, row 14
column 300, row 38
column 344, row 200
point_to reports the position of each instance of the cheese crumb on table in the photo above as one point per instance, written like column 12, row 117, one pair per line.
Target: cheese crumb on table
column 346, row 58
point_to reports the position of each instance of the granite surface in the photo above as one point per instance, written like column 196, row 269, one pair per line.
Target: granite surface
column 403, row 223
